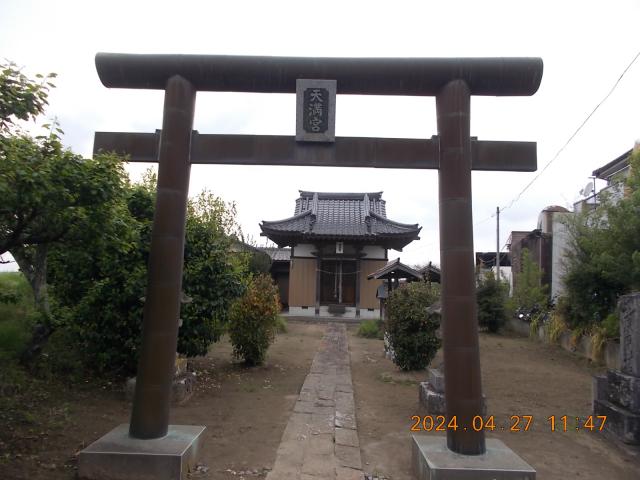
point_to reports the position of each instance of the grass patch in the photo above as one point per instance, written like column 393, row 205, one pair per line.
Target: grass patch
column 386, row 377
column 371, row 329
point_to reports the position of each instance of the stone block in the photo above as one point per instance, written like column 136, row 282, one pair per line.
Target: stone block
column 182, row 388
column 346, row 388
column 345, row 436
column 432, row 401
column 629, row 312
column 345, row 420
column 624, row 390
column 348, row 456
column 612, row 354
column 432, row 460
column 321, row 423
column 436, row 379
column 117, row 456
column 600, row 387
column 321, row 444
column 621, row 422
column 345, row 473
column 303, row 407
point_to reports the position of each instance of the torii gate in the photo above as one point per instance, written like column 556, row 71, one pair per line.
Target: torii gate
column 452, row 152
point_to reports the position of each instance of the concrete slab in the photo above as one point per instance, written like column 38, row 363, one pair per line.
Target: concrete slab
column 432, row 460
column 117, row 456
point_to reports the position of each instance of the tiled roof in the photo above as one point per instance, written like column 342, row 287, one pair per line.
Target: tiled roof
column 277, row 254
column 348, row 216
column 395, row 269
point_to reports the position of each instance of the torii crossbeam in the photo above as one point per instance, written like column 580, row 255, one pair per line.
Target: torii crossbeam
column 453, row 152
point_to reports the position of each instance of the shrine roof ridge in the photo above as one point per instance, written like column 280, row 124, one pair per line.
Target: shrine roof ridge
column 496, row 76
column 340, row 195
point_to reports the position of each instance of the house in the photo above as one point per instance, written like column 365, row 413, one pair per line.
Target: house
column 486, row 262
column 614, row 173
column 337, row 240
column 547, row 245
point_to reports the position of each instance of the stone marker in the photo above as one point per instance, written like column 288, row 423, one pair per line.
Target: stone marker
column 617, row 394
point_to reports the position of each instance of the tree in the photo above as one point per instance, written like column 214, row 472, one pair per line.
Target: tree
column 213, row 277
column 45, row 190
column 21, row 98
column 603, row 262
column 491, row 295
column 254, row 320
column 98, row 281
column 528, row 294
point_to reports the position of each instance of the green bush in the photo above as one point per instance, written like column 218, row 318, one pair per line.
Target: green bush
column 491, row 295
column 529, row 294
column 411, row 330
column 371, row 329
column 14, row 335
column 253, row 320
column 17, row 313
column 281, row 324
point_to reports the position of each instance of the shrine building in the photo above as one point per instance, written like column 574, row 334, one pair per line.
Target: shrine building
column 337, row 240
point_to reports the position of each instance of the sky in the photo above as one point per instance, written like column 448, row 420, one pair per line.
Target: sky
column 585, row 47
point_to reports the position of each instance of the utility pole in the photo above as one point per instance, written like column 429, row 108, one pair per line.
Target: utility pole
column 498, row 243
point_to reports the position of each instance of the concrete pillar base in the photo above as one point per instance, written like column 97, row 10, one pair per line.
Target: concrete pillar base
column 432, row 460
column 117, row 456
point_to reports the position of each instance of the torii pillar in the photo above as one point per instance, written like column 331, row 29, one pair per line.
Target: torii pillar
column 464, row 453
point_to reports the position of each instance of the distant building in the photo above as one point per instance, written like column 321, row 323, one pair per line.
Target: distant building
column 550, row 241
column 547, row 246
column 614, row 173
column 337, row 240
column 486, row 262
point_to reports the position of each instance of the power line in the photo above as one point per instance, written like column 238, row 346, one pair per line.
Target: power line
column 615, row 85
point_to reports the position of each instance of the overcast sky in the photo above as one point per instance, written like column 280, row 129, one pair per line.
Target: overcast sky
column 585, row 47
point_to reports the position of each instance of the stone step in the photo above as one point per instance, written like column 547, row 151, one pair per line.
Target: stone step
column 620, row 421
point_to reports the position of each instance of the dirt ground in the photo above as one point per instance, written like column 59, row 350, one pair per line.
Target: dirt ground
column 246, row 411
column 520, row 377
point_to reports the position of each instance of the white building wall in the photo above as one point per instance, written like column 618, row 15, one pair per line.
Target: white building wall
column 304, row 250
column 559, row 249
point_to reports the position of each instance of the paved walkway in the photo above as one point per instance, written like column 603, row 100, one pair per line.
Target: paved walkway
column 321, row 438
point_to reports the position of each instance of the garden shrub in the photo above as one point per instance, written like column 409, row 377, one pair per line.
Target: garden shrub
column 253, row 320
column 491, row 296
column 411, row 330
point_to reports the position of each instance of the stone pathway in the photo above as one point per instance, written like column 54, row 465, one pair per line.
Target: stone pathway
column 321, row 438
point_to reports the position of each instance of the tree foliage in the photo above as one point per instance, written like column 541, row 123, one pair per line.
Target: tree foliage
column 21, row 98
column 84, row 223
column 99, row 281
column 491, row 295
column 213, row 277
column 603, row 262
column 45, row 189
column 528, row 293
column 411, row 328
column 254, row 320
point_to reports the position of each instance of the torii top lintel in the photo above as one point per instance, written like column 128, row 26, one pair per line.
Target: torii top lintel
column 360, row 76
